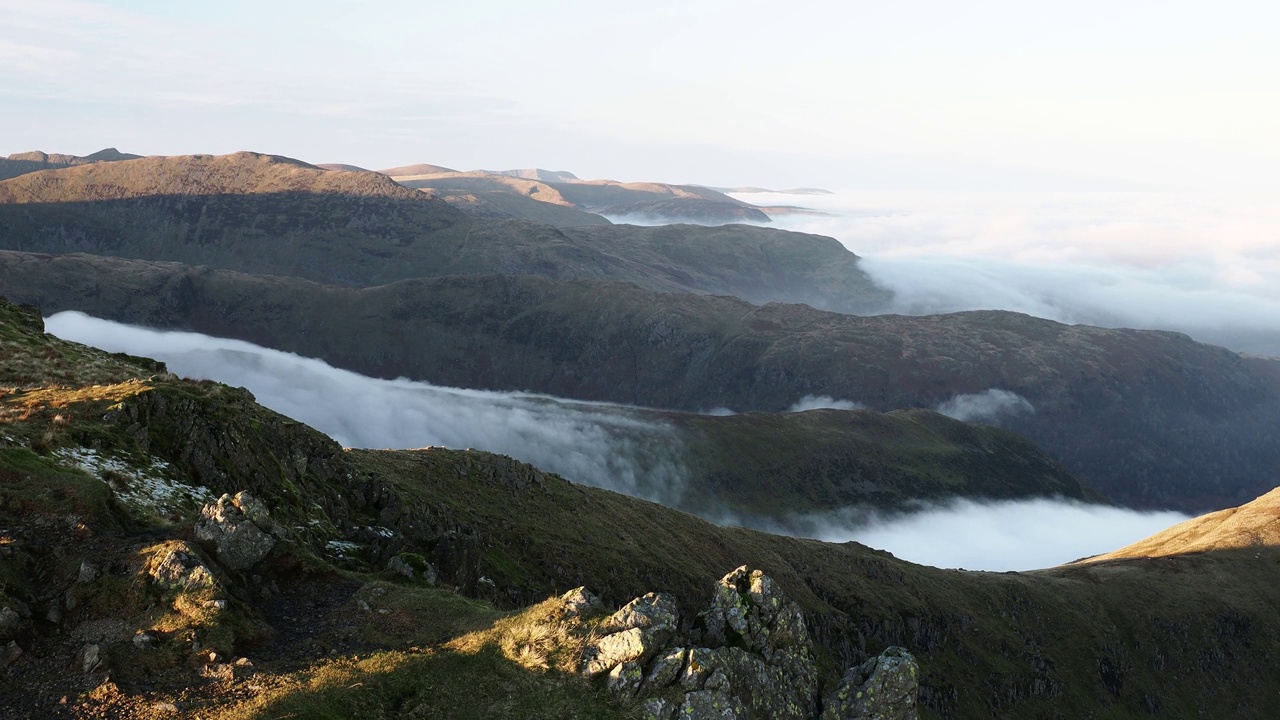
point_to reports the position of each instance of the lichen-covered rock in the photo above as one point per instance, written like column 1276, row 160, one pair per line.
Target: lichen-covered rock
column 625, row 679
column 882, row 688
column 755, row 661
column 659, row 708
column 711, row 705
column 240, row 540
column 665, row 668
column 640, row 630
column 580, row 602
column 654, row 610
column 179, row 568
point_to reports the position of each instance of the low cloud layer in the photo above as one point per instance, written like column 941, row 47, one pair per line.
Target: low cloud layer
column 989, row 406
column 816, row 402
column 603, row 445
column 997, row 536
column 1206, row 265
column 614, row 447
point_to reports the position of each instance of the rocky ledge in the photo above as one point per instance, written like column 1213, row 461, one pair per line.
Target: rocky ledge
column 747, row 656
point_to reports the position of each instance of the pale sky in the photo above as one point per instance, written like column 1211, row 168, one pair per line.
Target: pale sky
column 970, row 95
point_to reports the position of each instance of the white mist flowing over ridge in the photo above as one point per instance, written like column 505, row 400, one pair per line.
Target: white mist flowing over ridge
column 590, row 443
column 985, row 406
column 818, row 402
column 1207, row 265
column 997, row 536
column 610, row 446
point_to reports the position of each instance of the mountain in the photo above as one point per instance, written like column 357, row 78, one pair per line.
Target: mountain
column 417, row 169
column 646, row 201
column 498, row 205
column 172, row 547
column 28, row 162
column 537, row 174
column 341, row 167
column 1149, row 418
column 267, row 214
column 1252, row 526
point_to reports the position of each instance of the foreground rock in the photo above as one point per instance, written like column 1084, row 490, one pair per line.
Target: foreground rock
column 238, row 527
column 748, row 656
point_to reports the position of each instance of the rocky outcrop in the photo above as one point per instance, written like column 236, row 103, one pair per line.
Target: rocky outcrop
column 180, row 568
column 882, row 688
column 748, row 655
column 239, row 528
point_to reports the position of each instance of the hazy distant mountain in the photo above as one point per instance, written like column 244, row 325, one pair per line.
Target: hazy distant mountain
column 788, row 191
column 417, row 169
column 537, row 174
column 652, row 202
column 342, row 167
column 1149, row 418
column 498, row 205
column 27, row 162
column 267, row 214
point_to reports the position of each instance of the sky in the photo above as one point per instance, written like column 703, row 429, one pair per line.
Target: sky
column 976, row 95
column 621, row 449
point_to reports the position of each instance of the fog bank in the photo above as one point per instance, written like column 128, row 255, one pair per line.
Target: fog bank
column 607, row 446
column 1207, row 265
column 997, row 536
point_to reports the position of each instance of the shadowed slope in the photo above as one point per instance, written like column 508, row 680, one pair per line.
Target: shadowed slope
column 273, row 215
column 1148, row 418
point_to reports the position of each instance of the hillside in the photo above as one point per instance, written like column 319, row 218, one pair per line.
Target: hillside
column 643, row 201
column 495, row 205
column 28, row 162
column 1252, row 526
column 266, row 214
column 1150, row 419
column 381, row 583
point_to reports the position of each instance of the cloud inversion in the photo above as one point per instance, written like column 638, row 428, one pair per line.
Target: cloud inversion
column 615, row 447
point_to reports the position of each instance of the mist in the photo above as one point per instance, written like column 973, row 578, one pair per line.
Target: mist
column 620, row 448
column 989, row 406
column 602, row 445
column 1207, row 265
column 996, row 536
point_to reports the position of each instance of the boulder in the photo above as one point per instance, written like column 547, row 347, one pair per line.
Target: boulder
column 237, row 526
column 755, row 660
column 10, row 623
column 179, row 568
column 636, row 633
column 581, row 602
column 883, row 688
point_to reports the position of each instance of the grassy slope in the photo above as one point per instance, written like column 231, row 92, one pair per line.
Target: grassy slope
column 1181, row 635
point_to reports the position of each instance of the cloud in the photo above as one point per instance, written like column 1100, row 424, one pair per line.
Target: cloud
column 996, row 536
column 815, row 402
column 1207, row 265
column 985, row 406
column 609, row 446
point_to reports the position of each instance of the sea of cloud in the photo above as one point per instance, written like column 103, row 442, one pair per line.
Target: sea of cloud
column 620, row 448
column 1207, row 265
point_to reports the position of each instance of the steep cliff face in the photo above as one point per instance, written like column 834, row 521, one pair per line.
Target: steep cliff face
column 1148, row 418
